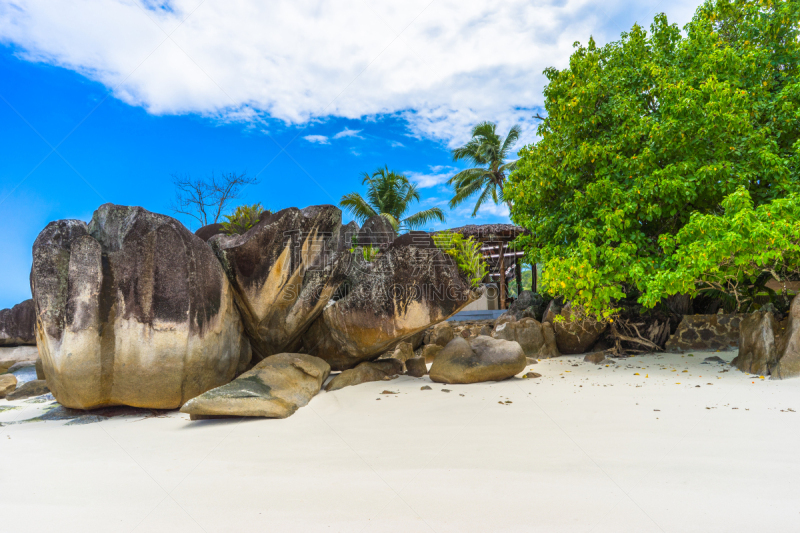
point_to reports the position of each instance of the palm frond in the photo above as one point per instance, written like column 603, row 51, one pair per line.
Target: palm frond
column 418, row 220
column 467, row 188
column 511, row 140
column 485, row 129
column 509, row 167
column 357, row 206
column 465, row 177
column 393, row 221
column 470, row 152
column 487, row 192
column 468, row 182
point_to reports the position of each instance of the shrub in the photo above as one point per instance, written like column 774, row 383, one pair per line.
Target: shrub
column 466, row 253
column 369, row 252
column 244, row 218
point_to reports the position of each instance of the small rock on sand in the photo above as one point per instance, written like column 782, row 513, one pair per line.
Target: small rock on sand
column 416, row 367
column 598, row 358
column 380, row 370
column 430, row 351
column 29, row 389
column 8, row 382
column 442, row 334
column 533, row 375
column 20, row 365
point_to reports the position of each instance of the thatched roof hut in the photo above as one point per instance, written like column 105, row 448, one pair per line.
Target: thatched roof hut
column 490, row 232
column 499, row 256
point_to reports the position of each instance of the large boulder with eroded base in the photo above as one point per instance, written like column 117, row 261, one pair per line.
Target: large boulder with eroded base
column 284, row 271
column 17, row 325
column 575, row 331
column 404, row 290
column 132, row 309
column 770, row 347
column 760, row 334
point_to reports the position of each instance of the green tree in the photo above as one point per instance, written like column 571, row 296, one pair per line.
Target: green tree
column 488, row 151
column 390, row 195
column 736, row 252
column 647, row 131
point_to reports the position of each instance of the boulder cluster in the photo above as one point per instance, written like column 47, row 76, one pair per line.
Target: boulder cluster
column 134, row 309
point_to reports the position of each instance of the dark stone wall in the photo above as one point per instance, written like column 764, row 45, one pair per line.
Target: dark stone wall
column 706, row 332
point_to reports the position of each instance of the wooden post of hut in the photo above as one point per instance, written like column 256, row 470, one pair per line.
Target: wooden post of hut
column 534, row 278
column 518, row 274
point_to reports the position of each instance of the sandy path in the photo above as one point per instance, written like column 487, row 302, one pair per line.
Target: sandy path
column 621, row 453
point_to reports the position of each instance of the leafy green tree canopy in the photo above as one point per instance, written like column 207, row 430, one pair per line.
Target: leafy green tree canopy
column 735, row 253
column 390, row 195
column 646, row 131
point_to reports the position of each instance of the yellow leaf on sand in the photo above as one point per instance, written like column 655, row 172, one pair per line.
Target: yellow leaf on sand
column 635, row 373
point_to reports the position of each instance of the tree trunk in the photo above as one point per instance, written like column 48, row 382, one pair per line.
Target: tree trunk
column 518, row 274
column 501, row 261
column 534, row 278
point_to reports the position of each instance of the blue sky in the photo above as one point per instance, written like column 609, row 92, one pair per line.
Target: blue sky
column 103, row 102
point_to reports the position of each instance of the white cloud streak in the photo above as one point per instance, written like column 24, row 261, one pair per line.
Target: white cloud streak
column 442, row 66
column 318, row 139
column 348, row 133
column 438, row 175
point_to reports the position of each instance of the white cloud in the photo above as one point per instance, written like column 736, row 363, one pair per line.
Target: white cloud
column 489, row 212
column 442, row 66
column 348, row 133
column 319, row 139
column 438, row 175
column 396, row 144
column 490, row 209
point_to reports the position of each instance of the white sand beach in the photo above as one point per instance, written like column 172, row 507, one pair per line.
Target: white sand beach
column 657, row 443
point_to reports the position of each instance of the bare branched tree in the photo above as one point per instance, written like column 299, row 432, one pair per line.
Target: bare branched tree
column 206, row 199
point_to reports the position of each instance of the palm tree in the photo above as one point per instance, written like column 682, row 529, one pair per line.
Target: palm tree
column 389, row 194
column 488, row 150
